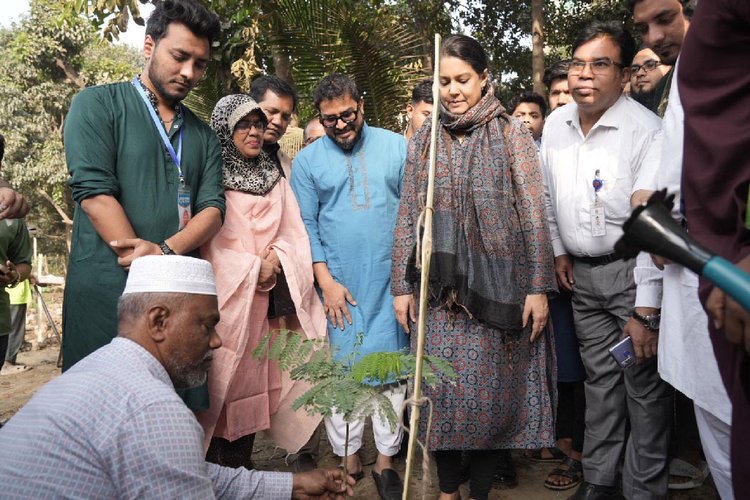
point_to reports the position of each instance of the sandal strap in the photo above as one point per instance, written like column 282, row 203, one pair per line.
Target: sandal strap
column 572, row 463
column 571, row 474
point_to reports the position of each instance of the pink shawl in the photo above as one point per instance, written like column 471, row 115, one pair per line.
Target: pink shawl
column 249, row 395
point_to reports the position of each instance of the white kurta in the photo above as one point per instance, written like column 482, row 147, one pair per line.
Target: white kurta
column 686, row 356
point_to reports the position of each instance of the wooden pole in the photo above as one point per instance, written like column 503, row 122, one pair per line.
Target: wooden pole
column 425, row 275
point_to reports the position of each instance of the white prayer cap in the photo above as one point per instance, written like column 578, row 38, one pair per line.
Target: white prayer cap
column 170, row 273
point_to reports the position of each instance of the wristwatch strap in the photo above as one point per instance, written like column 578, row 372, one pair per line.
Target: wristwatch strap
column 165, row 250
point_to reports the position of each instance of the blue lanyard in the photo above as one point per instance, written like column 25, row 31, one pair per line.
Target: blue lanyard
column 176, row 157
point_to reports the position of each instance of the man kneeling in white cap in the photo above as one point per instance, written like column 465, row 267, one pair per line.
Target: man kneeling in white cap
column 113, row 427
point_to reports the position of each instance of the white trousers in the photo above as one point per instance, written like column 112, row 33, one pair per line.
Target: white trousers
column 715, row 440
column 386, row 441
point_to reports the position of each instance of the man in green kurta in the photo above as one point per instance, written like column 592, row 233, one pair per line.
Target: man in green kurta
column 15, row 252
column 126, row 179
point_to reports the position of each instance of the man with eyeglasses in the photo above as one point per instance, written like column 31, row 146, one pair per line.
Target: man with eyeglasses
column 593, row 153
column 703, row 411
column 646, row 71
column 348, row 185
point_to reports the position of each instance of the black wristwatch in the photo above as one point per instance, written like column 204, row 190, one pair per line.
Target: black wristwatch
column 651, row 321
column 165, row 250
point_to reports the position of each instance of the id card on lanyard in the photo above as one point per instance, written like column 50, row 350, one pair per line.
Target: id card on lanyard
column 183, row 190
column 598, row 219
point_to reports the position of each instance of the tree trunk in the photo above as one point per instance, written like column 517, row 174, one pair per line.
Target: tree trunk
column 282, row 65
column 537, row 50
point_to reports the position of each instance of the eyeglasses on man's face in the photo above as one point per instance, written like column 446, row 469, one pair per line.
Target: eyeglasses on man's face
column 647, row 66
column 599, row 66
column 246, row 125
column 348, row 117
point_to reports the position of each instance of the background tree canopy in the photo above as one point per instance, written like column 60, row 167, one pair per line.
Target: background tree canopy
column 385, row 45
column 44, row 61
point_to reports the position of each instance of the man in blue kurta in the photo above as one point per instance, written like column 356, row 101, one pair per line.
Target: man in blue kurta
column 145, row 173
column 348, row 186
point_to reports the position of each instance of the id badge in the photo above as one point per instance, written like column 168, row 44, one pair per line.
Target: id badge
column 183, row 205
column 598, row 221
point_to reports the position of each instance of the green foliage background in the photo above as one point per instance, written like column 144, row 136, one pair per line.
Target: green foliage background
column 62, row 46
column 44, row 60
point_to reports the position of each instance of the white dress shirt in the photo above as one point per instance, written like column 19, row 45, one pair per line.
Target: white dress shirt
column 625, row 138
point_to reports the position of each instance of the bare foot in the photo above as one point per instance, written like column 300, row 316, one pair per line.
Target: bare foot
column 382, row 462
column 449, row 496
column 353, row 464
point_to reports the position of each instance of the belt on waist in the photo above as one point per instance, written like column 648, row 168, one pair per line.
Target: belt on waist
column 599, row 260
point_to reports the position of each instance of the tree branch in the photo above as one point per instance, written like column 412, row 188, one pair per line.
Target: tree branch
column 60, row 211
column 71, row 73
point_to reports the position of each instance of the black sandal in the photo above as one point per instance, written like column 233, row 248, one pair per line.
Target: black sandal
column 573, row 472
column 389, row 484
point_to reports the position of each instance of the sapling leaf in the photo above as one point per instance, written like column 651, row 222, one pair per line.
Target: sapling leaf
column 289, row 353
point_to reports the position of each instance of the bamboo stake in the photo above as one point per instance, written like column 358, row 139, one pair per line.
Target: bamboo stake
column 425, row 275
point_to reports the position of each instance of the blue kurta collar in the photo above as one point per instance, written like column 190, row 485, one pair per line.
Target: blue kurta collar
column 361, row 139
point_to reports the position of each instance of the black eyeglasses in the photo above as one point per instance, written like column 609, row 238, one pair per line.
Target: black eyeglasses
column 599, row 66
column 246, row 125
column 648, row 66
column 348, row 117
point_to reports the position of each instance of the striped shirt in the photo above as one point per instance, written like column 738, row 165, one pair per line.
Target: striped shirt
column 113, row 427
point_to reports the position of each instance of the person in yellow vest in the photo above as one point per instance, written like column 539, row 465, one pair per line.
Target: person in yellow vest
column 20, row 297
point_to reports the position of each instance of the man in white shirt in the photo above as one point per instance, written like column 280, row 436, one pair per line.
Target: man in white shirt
column 686, row 356
column 592, row 153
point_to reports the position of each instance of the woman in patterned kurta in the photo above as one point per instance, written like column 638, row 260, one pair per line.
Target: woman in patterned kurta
column 492, row 267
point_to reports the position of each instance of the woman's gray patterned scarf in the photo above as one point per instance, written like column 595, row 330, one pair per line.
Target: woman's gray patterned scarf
column 240, row 173
column 476, row 238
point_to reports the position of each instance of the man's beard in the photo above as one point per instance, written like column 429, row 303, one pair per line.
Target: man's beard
column 161, row 86
column 347, row 144
column 185, row 376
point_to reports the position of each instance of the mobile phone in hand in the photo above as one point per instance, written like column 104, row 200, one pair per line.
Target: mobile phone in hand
column 623, row 352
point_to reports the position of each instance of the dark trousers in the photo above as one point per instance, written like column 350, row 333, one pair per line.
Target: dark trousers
column 234, row 454
column 312, row 447
column 685, row 438
column 17, row 331
column 3, row 347
column 451, row 469
column 571, row 413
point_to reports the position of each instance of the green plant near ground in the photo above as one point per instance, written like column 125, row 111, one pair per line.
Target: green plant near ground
column 352, row 388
